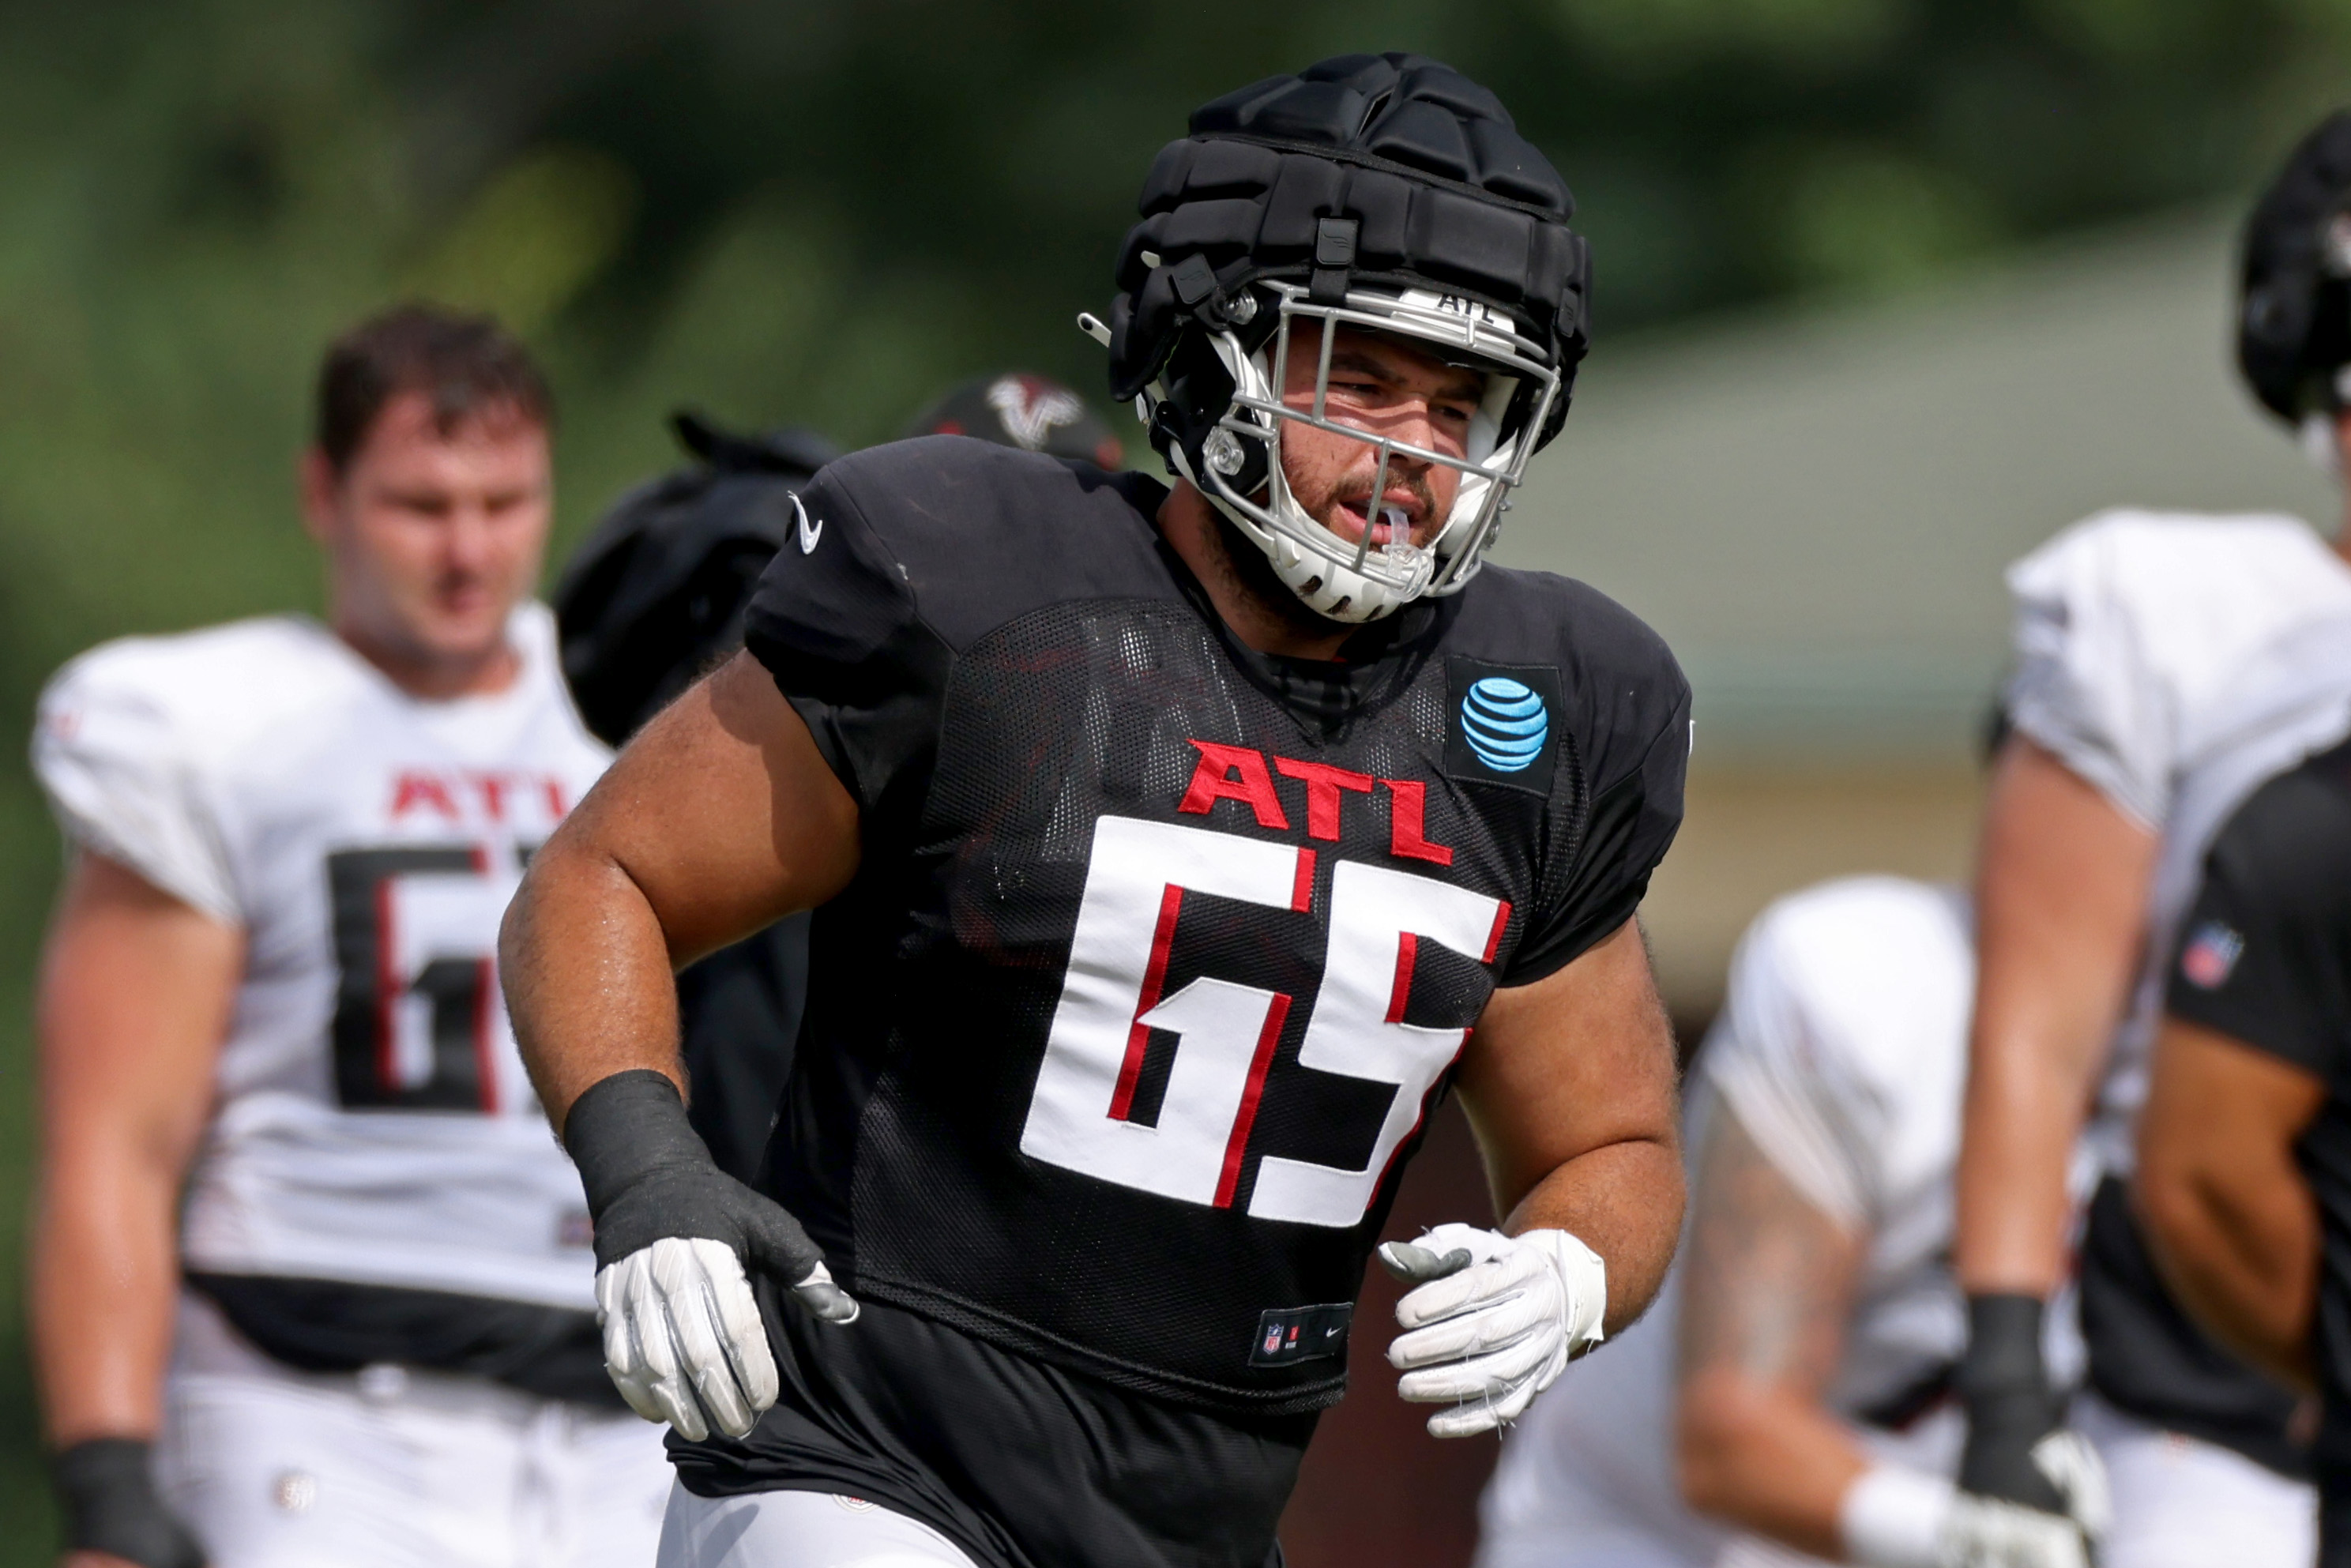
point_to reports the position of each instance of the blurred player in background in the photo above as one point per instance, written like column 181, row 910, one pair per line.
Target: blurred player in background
column 1030, row 412
column 2244, row 1173
column 2166, row 664
column 1817, row 1318
column 303, row 1246
column 1166, row 844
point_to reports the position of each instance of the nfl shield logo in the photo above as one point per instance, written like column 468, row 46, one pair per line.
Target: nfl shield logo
column 2210, row 954
column 1273, row 1339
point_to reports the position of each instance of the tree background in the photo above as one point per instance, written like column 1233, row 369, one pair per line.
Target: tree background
column 786, row 212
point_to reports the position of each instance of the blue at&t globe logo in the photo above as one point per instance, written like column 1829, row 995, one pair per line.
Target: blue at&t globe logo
column 1505, row 723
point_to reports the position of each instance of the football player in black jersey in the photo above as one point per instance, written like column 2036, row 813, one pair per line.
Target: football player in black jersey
column 2244, row 1173
column 1173, row 851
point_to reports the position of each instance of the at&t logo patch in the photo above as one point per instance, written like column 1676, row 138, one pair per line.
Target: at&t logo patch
column 1503, row 724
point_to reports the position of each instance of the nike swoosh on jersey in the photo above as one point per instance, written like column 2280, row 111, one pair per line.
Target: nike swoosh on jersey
column 808, row 535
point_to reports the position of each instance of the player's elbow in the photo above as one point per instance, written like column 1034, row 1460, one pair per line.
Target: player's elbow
column 566, row 880
column 1722, row 1424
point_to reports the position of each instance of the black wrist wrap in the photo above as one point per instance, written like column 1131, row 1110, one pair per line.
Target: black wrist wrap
column 2010, row 1406
column 623, row 1129
column 648, row 1176
column 106, row 1490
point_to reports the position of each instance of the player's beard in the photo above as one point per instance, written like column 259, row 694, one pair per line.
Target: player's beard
column 1246, row 569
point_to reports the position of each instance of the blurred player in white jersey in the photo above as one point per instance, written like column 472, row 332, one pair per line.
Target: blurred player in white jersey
column 311, row 1283
column 2166, row 664
column 1793, row 1378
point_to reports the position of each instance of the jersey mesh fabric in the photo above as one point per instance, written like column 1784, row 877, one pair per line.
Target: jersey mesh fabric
column 1029, row 698
column 1009, row 669
column 1020, row 1463
column 1105, row 694
column 2175, row 661
column 1019, row 682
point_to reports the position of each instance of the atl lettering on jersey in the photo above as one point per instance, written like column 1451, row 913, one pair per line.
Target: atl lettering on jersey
column 1160, row 949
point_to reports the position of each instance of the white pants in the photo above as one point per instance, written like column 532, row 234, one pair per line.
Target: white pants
column 796, row 1530
column 2183, row 1503
column 396, row 1468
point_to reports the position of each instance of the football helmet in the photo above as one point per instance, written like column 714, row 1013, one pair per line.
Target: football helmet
column 1384, row 192
column 2294, row 320
column 1028, row 411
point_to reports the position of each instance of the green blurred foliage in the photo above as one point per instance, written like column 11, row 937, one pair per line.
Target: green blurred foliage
column 784, row 211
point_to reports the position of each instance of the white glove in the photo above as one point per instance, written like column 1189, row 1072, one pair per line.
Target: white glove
column 683, row 1336
column 1896, row 1518
column 1985, row 1532
column 1494, row 1320
column 2074, row 1467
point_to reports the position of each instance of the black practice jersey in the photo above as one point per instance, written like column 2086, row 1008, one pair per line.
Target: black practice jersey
column 2266, row 957
column 1160, row 949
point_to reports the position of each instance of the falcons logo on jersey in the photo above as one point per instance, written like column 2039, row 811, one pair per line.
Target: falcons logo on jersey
column 1033, row 409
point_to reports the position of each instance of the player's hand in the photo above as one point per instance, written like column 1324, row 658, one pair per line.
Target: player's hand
column 2021, row 1467
column 683, row 1336
column 1493, row 1322
column 1988, row 1533
column 2006, row 1430
column 2019, row 1449
column 1893, row 1516
column 114, row 1516
column 1984, row 1531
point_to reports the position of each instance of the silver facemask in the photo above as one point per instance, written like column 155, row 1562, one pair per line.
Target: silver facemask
column 1357, row 580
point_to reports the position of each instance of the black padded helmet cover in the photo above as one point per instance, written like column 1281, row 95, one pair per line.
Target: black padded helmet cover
column 2293, row 324
column 658, row 590
column 1445, row 194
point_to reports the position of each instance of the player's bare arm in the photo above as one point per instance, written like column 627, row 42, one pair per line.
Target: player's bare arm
column 2060, row 891
column 1771, row 1286
column 1570, row 1085
column 719, row 818
column 135, row 1000
column 1764, row 1306
column 2228, row 1214
column 2061, row 897
column 2237, row 1142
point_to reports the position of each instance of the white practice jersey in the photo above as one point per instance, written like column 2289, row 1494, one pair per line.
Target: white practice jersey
column 373, row 1123
column 1842, row 1048
column 2175, row 661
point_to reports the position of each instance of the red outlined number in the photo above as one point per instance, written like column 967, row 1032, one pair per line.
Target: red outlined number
column 1380, row 919
column 1080, row 1117
column 419, row 1023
